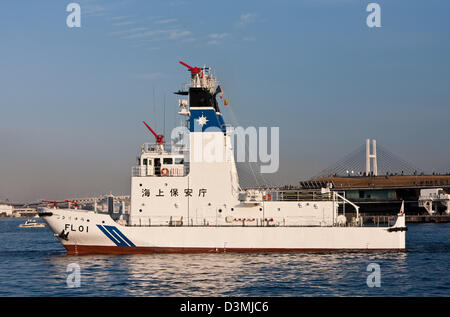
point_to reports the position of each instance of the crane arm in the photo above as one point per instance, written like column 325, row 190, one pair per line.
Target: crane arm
column 159, row 138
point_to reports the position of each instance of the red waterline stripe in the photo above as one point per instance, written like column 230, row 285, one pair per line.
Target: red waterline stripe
column 89, row 249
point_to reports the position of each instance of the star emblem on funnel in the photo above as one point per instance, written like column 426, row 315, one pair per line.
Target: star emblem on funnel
column 202, row 120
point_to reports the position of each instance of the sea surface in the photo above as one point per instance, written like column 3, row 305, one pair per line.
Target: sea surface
column 33, row 263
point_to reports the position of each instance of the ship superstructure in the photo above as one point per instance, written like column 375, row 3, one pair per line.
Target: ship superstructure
column 188, row 199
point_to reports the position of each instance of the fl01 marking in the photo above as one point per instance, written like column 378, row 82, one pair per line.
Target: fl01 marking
column 71, row 228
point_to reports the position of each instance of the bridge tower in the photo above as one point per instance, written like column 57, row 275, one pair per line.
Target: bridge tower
column 372, row 157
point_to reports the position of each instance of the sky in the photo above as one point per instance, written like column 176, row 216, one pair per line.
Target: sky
column 72, row 100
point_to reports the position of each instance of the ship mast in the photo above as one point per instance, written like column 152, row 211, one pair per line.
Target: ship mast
column 201, row 77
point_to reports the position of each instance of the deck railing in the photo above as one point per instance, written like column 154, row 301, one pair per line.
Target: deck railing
column 176, row 171
column 301, row 221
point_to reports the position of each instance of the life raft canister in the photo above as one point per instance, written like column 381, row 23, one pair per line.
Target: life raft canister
column 164, row 172
column 267, row 197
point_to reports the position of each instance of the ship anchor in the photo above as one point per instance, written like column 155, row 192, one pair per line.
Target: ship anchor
column 64, row 235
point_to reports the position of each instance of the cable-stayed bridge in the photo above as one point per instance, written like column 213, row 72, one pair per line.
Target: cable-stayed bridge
column 372, row 166
column 370, row 160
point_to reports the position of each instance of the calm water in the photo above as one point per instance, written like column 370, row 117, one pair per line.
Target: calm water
column 32, row 263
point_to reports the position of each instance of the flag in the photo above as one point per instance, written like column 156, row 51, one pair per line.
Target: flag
column 225, row 102
column 219, row 91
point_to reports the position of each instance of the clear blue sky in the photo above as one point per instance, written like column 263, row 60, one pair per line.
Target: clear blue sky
column 72, row 100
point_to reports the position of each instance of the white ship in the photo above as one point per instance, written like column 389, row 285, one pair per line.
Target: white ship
column 31, row 223
column 182, row 202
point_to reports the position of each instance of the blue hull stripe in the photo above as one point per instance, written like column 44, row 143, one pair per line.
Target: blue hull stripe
column 116, row 236
column 113, row 230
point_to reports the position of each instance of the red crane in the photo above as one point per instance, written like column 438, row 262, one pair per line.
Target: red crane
column 159, row 138
column 50, row 202
column 193, row 70
column 73, row 202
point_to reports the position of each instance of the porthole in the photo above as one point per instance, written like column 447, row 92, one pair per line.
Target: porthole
column 140, row 210
column 220, row 210
column 232, row 209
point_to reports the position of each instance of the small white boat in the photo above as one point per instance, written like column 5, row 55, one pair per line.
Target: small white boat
column 30, row 223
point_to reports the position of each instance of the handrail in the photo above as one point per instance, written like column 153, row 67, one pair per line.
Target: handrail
column 349, row 202
column 176, row 171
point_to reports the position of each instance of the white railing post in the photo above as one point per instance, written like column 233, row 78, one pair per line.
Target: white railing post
column 351, row 203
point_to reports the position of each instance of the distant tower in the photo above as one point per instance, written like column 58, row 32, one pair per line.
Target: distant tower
column 372, row 156
column 110, row 200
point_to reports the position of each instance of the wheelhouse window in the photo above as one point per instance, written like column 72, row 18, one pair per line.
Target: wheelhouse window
column 167, row 160
column 144, row 162
column 179, row 160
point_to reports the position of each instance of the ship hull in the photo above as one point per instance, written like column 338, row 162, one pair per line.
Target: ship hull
column 88, row 249
column 91, row 233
